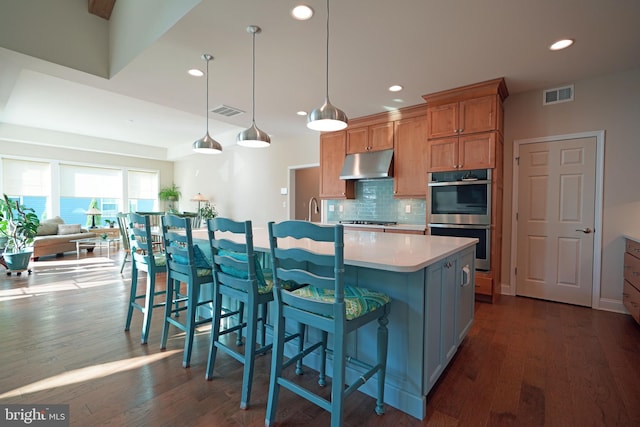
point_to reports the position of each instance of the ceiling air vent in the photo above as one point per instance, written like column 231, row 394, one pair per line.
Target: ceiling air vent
column 225, row 110
column 557, row 95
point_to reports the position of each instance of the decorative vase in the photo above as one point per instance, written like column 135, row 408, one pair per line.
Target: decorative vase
column 18, row 261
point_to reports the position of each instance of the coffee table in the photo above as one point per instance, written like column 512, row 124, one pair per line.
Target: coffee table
column 98, row 242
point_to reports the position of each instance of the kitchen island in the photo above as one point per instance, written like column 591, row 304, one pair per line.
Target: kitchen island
column 429, row 279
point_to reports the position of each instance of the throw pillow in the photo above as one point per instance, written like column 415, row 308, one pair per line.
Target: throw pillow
column 49, row 226
column 47, row 229
column 239, row 273
column 68, row 228
column 201, row 260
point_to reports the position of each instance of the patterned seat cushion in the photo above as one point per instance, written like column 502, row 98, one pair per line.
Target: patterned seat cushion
column 358, row 301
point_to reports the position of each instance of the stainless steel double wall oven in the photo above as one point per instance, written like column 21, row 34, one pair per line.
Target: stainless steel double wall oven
column 459, row 205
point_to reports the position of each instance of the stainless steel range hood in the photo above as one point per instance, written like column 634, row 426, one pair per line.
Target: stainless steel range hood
column 371, row 164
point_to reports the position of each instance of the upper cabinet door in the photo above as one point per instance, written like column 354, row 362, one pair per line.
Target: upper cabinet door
column 332, row 153
column 357, row 140
column 370, row 138
column 442, row 120
column 381, row 136
column 477, row 151
column 477, row 115
column 410, row 158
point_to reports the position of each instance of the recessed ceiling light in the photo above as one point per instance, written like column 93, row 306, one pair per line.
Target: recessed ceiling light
column 561, row 44
column 395, row 88
column 302, row 12
column 301, row 113
column 195, row 72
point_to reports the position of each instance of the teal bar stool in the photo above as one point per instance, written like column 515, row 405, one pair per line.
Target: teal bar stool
column 186, row 263
column 237, row 275
column 326, row 304
column 143, row 258
column 123, row 225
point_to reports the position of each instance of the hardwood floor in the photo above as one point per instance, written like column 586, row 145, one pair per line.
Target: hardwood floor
column 525, row 363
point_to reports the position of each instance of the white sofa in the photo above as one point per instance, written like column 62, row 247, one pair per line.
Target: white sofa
column 55, row 237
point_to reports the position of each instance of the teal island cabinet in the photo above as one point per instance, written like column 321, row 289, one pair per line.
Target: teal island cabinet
column 430, row 279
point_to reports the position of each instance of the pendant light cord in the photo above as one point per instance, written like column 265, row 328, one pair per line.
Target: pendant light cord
column 327, row 62
column 253, row 112
column 207, row 95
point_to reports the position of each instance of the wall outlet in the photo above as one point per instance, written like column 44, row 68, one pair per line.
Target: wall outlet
column 407, row 208
column 339, row 208
column 331, row 208
column 284, row 191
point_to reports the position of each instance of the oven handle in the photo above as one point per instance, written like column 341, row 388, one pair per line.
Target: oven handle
column 474, row 227
column 450, row 183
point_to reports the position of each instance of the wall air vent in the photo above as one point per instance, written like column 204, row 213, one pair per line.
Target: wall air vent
column 557, row 95
column 225, row 110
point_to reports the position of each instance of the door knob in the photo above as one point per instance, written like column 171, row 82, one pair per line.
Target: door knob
column 586, row 230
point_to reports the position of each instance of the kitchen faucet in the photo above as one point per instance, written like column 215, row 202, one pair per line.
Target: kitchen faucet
column 313, row 201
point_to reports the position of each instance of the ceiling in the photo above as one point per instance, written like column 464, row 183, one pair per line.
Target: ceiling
column 424, row 45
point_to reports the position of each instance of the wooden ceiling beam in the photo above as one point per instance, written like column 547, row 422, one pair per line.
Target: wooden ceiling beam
column 101, row 8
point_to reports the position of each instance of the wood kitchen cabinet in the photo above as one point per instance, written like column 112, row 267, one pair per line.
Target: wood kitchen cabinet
column 463, row 117
column 631, row 285
column 370, row 138
column 465, row 131
column 476, row 151
column 332, row 154
column 410, row 152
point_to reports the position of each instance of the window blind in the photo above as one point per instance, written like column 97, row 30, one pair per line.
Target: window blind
column 79, row 181
column 25, row 178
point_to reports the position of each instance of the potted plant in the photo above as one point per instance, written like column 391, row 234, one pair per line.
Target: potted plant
column 208, row 211
column 110, row 222
column 19, row 225
column 170, row 194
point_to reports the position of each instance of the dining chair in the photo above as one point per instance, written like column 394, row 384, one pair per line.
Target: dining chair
column 143, row 258
column 186, row 263
column 238, row 275
column 124, row 237
column 326, row 304
column 154, row 218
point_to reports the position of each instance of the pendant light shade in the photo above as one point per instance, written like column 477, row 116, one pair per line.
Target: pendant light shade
column 206, row 144
column 328, row 117
column 253, row 136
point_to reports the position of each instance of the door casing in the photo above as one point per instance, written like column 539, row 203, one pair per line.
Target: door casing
column 510, row 289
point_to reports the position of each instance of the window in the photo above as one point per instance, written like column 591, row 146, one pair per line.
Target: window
column 142, row 190
column 29, row 183
column 83, row 187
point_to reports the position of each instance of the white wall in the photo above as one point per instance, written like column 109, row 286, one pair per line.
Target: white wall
column 245, row 183
column 610, row 103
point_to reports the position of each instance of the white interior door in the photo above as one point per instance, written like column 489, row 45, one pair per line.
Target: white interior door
column 556, row 220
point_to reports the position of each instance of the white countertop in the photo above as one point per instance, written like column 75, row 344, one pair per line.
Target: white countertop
column 634, row 237
column 382, row 251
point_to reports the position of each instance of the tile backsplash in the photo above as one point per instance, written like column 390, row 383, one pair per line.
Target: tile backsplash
column 374, row 202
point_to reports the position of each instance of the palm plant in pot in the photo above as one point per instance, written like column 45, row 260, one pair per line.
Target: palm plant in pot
column 19, row 225
column 171, row 194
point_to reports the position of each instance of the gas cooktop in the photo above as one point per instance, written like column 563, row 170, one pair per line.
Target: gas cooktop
column 367, row 222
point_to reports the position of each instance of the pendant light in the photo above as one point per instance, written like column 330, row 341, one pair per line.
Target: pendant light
column 253, row 137
column 327, row 117
column 206, row 144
